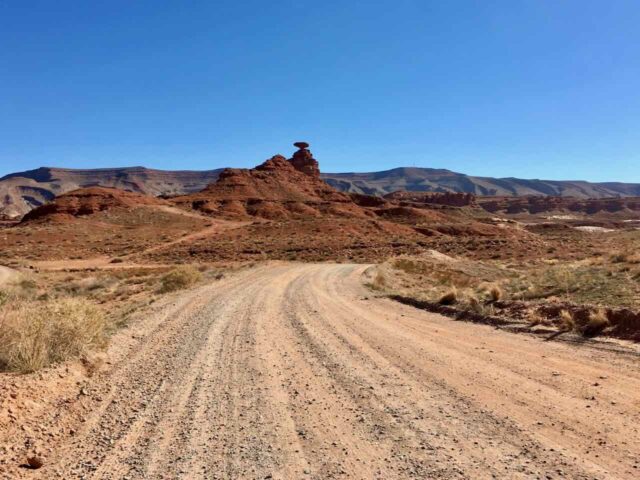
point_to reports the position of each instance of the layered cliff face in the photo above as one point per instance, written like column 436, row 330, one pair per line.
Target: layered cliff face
column 540, row 204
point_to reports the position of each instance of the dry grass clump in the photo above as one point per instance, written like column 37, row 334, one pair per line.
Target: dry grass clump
column 577, row 283
column 619, row 258
column 495, row 293
column 474, row 304
column 535, row 318
column 84, row 286
column 4, row 298
column 179, row 278
column 598, row 321
column 567, row 322
column 635, row 258
column 379, row 281
column 449, row 298
column 36, row 334
column 409, row 265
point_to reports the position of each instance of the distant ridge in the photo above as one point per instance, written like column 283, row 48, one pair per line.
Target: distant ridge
column 442, row 180
column 22, row 191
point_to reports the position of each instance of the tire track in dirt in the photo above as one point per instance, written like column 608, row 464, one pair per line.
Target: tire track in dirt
column 287, row 371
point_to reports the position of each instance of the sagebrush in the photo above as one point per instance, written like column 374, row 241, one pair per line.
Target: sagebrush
column 36, row 334
column 179, row 278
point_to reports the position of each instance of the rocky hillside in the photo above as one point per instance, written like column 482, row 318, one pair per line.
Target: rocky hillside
column 21, row 192
column 279, row 188
column 281, row 209
column 87, row 201
column 440, row 180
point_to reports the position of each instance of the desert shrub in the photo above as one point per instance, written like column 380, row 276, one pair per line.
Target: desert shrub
column 578, row 283
column 84, row 286
column 27, row 284
column 495, row 293
column 36, row 334
column 619, row 258
column 379, row 281
column 634, row 258
column 474, row 303
column 598, row 321
column 179, row 278
column 567, row 322
column 4, row 297
column 535, row 318
column 468, row 300
column 408, row 265
column 449, row 298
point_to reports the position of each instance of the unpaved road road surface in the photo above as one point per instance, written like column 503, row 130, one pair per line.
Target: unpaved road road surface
column 295, row 371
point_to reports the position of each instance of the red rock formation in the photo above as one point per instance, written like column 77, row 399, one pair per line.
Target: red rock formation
column 277, row 189
column 540, row 204
column 303, row 160
column 87, row 201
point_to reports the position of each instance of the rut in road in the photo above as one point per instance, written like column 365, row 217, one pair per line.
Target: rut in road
column 291, row 371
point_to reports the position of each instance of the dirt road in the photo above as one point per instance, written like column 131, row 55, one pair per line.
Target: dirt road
column 297, row 371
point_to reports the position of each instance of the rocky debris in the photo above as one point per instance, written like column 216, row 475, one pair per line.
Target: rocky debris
column 87, row 201
column 368, row 200
column 304, row 162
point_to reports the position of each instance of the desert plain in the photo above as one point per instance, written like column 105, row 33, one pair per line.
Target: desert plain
column 271, row 326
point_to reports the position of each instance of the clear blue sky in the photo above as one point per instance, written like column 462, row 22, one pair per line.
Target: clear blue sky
column 526, row 88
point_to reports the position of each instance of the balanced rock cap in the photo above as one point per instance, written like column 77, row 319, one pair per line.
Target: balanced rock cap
column 301, row 145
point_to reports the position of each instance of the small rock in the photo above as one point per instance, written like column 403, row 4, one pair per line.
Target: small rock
column 35, row 462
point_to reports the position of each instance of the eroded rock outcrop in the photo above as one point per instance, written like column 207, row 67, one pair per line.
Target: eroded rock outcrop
column 88, row 201
column 540, row 204
column 276, row 189
column 452, row 199
column 303, row 160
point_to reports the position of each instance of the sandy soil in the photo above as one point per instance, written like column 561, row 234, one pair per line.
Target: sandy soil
column 6, row 274
column 216, row 227
column 296, row 371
